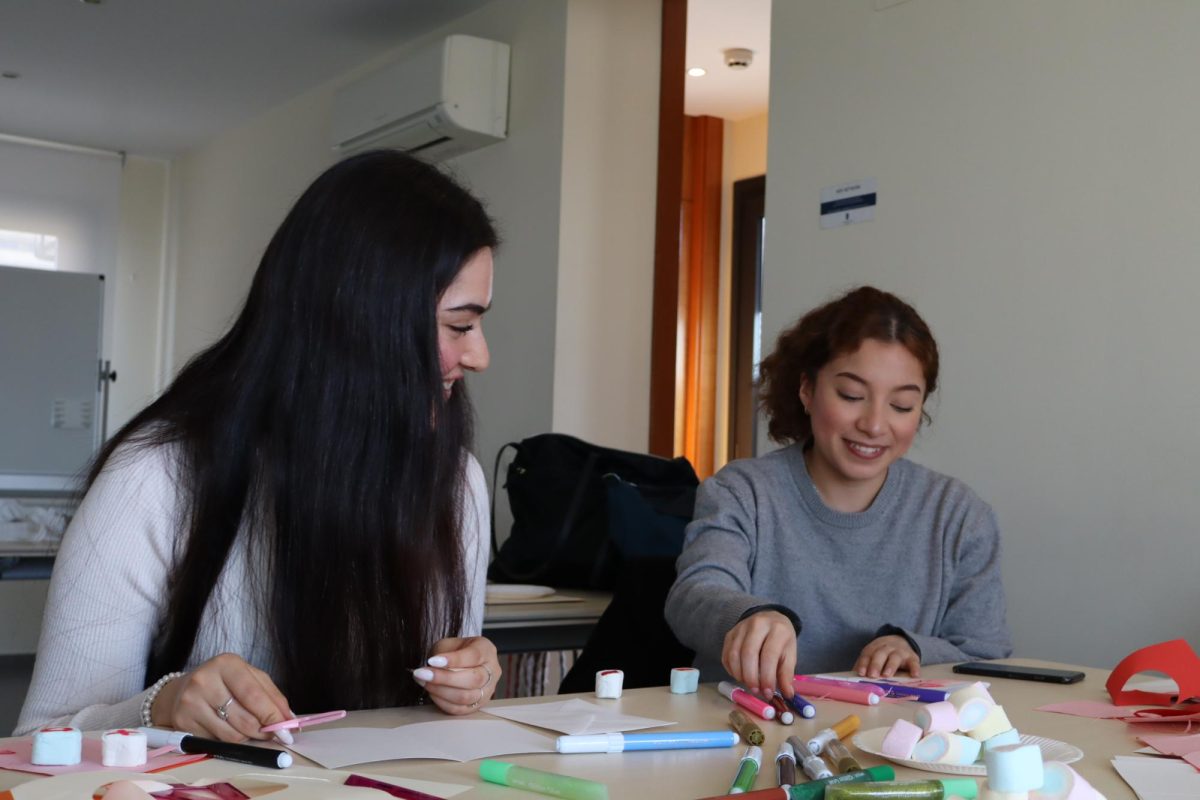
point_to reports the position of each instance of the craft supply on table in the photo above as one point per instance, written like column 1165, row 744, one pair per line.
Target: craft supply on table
column 802, row 706
column 863, row 695
column 840, row 730
column 57, row 747
column 785, row 765
column 939, row 789
column 685, row 680
column 815, row 790
column 738, row 695
column 918, row 693
column 123, row 747
column 226, row 751
column 667, row 740
column 747, row 771
column 782, row 713
column 536, row 780
column 745, row 727
column 608, row 684
column 814, row 766
column 840, row 756
column 304, row 721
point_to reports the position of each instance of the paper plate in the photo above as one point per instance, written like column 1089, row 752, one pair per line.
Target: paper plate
column 499, row 592
column 1052, row 750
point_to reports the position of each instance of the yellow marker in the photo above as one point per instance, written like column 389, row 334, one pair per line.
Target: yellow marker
column 841, row 730
column 745, row 727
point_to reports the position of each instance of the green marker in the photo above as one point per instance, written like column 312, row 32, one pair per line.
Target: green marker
column 747, row 770
column 534, row 780
column 908, row 790
column 815, row 790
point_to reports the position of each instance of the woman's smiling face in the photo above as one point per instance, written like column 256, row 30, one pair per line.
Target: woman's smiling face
column 865, row 408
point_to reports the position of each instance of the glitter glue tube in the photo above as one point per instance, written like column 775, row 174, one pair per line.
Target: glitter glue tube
column 782, row 712
column 841, row 730
column 785, row 765
column 748, row 769
column 746, row 700
column 815, row 790
column 965, row 788
column 535, row 780
column 839, row 754
column 745, row 727
column 815, row 767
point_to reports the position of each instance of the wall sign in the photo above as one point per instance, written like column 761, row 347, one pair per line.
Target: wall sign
column 848, row 203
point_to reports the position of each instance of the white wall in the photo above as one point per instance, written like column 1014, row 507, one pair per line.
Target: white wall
column 139, row 304
column 557, row 230
column 606, row 231
column 1037, row 183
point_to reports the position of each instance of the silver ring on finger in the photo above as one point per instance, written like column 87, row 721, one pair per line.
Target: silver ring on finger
column 478, row 700
column 490, row 676
column 223, row 710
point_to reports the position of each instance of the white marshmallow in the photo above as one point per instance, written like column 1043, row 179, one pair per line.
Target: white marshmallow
column 608, row 683
column 1014, row 768
column 59, row 747
column 123, row 748
column 964, row 694
column 1010, row 736
column 1063, row 783
column 685, row 680
column 995, row 722
column 972, row 713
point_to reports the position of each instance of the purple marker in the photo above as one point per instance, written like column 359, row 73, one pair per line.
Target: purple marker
column 803, row 707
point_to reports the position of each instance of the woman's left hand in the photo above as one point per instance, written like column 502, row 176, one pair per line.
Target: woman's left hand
column 883, row 657
column 461, row 675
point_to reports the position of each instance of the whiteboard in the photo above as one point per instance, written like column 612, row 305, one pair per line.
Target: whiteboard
column 50, row 399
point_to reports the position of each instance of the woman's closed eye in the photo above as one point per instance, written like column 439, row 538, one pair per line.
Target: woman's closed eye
column 850, row 397
column 461, row 329
column 902, row 409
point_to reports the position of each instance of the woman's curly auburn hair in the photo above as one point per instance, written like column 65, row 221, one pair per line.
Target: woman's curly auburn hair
column 829, row 331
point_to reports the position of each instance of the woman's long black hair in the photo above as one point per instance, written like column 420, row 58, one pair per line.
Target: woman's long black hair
column 318, row 426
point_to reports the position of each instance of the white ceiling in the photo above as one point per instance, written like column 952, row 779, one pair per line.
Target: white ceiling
column 715, row 26
column 156, row 77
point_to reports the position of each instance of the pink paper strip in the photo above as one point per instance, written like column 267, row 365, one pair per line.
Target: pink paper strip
column 1087, row 708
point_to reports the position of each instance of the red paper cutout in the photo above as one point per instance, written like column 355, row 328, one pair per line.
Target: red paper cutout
column 1174, row 658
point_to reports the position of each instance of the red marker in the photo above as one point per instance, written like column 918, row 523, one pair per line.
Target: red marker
column 746, row 700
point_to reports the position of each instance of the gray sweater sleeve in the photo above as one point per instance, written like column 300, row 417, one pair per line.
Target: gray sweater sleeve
column 712, row 588
column 973, row 625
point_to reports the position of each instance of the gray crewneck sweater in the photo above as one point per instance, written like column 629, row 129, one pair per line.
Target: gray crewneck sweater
column 925, row 558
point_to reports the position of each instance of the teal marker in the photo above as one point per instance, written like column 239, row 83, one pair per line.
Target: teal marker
column 747, row 770
column 534, row 780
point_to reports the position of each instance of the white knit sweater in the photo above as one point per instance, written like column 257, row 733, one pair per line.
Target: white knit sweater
column 108, row 594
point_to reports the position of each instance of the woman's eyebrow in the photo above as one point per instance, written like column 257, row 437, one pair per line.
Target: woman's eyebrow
column 474, row 308
column 910, row 387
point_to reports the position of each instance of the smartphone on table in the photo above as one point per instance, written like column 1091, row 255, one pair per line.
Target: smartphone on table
column 991, row 670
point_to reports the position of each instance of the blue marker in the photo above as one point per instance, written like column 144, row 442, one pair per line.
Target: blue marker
column 620, row 742
column 803, row 707
column 919, row 693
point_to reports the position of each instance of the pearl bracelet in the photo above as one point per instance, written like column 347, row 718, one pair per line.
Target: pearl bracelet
column 152, row 695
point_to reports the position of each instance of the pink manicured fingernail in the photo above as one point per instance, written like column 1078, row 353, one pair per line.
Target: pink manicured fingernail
column 422, row 674
column 438, row 661
column 284, row 736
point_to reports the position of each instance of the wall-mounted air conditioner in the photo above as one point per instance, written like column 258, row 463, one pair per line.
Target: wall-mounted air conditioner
column 443, row 100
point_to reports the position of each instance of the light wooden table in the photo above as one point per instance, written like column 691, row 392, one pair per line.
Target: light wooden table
column 666, row 775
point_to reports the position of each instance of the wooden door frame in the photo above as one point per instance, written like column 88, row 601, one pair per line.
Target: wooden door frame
column 665, row 337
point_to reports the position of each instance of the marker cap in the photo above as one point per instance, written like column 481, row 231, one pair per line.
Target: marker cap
column 847, row 726
column 494, row 771
column 591, row 743
column 965, row 788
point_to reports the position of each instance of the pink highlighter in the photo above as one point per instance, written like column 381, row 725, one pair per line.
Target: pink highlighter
column 846, row 691
column 746, row 700
column 303, row 722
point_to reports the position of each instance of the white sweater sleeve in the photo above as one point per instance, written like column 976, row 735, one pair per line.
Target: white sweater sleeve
column 107, row 595
column 476, row 522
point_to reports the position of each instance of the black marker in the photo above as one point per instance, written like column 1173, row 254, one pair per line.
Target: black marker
column 241, row 753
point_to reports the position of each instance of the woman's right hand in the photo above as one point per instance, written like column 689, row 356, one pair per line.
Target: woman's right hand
column 760, row 653
column 192, row 702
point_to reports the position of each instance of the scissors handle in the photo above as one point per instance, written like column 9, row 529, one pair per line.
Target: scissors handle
column 304, row 722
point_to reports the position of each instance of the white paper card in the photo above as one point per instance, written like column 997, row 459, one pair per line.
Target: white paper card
column 575, row 716
column 449, row 740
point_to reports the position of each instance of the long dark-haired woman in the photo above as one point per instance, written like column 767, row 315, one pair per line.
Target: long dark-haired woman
column 297, row 521
column 836, row 552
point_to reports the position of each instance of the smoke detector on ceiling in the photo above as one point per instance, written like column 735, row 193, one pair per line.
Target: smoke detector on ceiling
column 738, row 57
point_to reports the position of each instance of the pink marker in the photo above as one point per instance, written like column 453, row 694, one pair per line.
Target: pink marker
column 821, row 680
column 303, row 722
column 746, row 700
column 847, row 694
